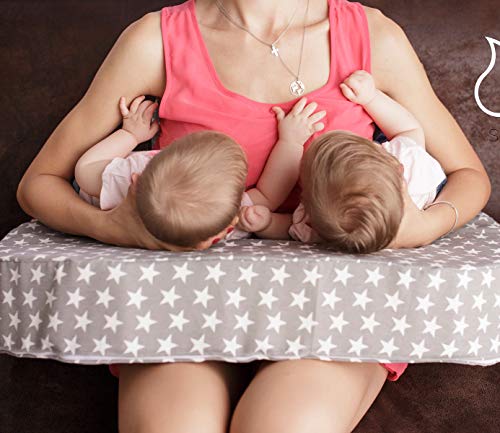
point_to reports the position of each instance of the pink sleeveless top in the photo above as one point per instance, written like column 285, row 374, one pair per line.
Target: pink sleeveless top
column 195, row 99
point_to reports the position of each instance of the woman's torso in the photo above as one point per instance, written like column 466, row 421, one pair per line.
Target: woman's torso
column 205, row 90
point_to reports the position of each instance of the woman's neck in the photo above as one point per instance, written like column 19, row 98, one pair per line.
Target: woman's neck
column 265, row 17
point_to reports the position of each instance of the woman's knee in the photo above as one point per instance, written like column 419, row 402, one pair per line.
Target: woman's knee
column 174, row 398
column 301, row 396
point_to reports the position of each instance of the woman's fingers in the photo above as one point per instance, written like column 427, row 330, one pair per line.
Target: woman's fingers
column 299, row 106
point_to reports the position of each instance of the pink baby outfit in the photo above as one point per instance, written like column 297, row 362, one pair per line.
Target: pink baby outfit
column 195, row 99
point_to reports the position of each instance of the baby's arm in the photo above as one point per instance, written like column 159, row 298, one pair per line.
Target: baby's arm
column 282, row 168
column 392, row 118
column 137, row 128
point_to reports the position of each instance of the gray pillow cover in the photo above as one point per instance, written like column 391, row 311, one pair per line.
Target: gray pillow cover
column 80, row 301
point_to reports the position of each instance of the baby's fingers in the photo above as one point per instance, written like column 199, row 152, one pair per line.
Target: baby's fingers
column 347, row 91
column 136, row 102
column 310, row 109
column 299, row 106
column 317, row 116
column 318, row 127
column 123, row 107
column 149, row 111
column 280, row 114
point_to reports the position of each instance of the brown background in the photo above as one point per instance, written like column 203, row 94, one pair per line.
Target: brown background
column 49, row 52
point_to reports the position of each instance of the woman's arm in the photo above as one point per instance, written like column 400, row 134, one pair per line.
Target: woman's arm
column 133, row 67
column 399, row 73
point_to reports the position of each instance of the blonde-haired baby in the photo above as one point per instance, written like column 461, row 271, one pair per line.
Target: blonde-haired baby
column 188, row 195
column 355, row 192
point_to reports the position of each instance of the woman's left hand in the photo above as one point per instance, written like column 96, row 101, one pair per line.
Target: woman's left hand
column 412, row 231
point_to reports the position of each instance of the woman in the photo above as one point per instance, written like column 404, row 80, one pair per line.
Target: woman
column 292, row 396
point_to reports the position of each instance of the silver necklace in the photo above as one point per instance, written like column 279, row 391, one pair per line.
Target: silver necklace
column 272, row 46
column 297, row 87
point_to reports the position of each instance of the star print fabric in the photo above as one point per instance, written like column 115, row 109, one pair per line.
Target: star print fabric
column 79, row 301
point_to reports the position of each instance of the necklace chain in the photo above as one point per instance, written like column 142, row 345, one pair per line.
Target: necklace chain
column 272, row 45
column 297, row 87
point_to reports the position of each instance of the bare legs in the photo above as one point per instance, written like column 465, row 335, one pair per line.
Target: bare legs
column 295, row 396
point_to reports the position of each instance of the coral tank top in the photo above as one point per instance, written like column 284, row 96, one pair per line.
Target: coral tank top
column 195, row 99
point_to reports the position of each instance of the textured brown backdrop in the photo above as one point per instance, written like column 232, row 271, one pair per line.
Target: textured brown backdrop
column 49, row 52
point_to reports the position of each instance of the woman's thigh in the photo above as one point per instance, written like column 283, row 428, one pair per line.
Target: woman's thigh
column 179, row 397
column 307, row 395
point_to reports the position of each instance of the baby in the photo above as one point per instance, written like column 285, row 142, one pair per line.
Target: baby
column 188, row 195
column 353, row 189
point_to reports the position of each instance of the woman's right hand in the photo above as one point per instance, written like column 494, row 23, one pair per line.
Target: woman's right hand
column 124, row 227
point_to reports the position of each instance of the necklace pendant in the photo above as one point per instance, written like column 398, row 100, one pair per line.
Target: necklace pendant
column 274, row 50
column 297, row 87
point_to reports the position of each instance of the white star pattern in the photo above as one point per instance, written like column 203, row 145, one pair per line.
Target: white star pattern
column 214, row 273
column 169, row 297
column 312, row 276
column 374, row 276
column 145, row 322
column 136, row 298
column 202, row 297
column 299, row 299
column 166, row 345
column 243, row 322
column 343, row 275
column 436, row 303
column 75, row 298
column 235, row 298
column 247, row 274
column 148, row 273
column 279, row 275
column 85, row 274
column 198, row 345
column 115, row 273
column 182, row 272
column 294, row 347
column 29, row 298
column 326, row 346
column 263, row 345
column 104, row 297
column 37, row 274
column 112, row 322
column 211, row 321
column 101, row 345
column 8, row 298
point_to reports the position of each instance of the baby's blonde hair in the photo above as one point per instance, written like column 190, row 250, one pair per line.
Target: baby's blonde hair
column 192, row 189
column 352, row 191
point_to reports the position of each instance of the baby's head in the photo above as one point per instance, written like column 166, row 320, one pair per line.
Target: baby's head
column 190, row 192
column 352, row 192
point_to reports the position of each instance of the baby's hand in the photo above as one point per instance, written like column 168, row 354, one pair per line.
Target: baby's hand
column 359, row 87
column 300, row 123
column 137, row 118
column 254, row 218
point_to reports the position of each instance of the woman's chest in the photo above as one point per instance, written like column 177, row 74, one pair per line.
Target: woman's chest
column 248, row 67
